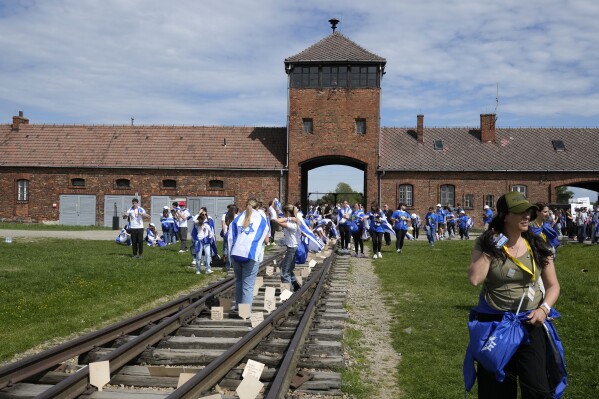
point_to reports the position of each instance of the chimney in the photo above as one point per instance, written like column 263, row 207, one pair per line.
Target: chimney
column 420, row 128
column 19, row 120
column 487, row 128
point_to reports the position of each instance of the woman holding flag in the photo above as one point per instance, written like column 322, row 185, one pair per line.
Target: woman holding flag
column 246, row 235
column 292, row 235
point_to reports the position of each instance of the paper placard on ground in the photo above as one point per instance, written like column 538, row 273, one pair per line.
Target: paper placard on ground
column 285, row 295
column 256, row 318
column 99, row 374
column 244, row 310
column 276, row 271
column 225, row 303
column 216, row 313
column 312, row 263
column 256, row 290
column 270, row 270
column 270, row 303
column 253, row 369
column 249, row 388
column 299, row 279
column 305, row 272
column 283, row 287
column 274, row 261
column 183, row 378
column 259, row 281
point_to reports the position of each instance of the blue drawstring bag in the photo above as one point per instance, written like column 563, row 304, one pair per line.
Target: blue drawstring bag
column 301, row 254
column 501, row 345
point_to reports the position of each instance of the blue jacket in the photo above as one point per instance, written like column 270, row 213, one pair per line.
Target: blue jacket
column 482, row 338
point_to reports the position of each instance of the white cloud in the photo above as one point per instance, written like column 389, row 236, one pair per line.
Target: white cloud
column 209, row 62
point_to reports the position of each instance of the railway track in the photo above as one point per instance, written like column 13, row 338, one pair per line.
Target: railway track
column 298, row 343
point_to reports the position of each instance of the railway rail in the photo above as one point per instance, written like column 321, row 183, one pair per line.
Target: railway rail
column 147, row 352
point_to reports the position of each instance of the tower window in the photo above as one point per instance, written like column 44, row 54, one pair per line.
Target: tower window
column 78, row 182
column 216, row 184
column 361, row 126
column 308, row 126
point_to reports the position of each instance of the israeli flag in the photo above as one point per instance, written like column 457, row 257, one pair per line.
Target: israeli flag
column 278, row 207
column 246, row 243
column 387, row 226
column 315, row 244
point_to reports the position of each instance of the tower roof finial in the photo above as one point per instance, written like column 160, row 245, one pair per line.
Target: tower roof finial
column 334, row 22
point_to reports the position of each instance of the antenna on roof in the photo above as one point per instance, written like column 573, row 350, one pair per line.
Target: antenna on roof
column 132, row 119
column 334, row 23
column 496, row 101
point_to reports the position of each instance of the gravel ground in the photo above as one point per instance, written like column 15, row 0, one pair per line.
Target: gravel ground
column 75, row 234
column 369, row 315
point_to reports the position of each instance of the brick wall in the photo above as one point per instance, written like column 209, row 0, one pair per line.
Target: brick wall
column 47, row 184
column 334, row 113
column 426, row 187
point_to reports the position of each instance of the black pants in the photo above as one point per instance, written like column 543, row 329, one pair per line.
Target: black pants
column 344, row 232
column 358, row 242
column 137, row 241
column 528, row 365
column 273, row 229
column 377, row 242
column 387, row 238
column 416, row 231
column 401, row 235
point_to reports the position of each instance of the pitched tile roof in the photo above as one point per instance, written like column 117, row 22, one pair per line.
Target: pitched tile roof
column 335, row 47
column 195, row 147
column 515, row 149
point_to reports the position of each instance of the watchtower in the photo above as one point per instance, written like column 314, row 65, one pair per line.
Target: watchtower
column 334, row 112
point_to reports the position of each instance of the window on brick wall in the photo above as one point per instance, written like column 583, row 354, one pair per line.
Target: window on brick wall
column 519, row 188
column 308, row 125
column 22, row 190
column 123, row 183
column 361, row 126
column 78, row 182
column 216, row 184
column 490, row 200
column 406, row 194
column 447, row 194
column 468, row 201
column 169, row 183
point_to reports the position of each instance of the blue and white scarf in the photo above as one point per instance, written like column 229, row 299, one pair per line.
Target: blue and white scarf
column 246, row 243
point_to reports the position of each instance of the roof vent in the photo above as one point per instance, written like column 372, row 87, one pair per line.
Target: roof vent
column 558, row 145
column 334, row 23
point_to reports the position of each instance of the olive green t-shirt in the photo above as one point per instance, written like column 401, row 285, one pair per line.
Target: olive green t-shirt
column 507, row 282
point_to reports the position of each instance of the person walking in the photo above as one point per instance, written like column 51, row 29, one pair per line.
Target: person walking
column 510, row 262
column 292, row 237
column 247, row 234
column 400, row 219
column 136, row 216
column 344, row 218
column 431, row 225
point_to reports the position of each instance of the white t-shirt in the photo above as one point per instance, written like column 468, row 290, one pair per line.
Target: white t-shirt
column 273, row 212
column 135, row 217
column 291, row 234
column 185, row 215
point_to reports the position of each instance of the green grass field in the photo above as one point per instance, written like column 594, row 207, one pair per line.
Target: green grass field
column 429, row 294
column 54, row 288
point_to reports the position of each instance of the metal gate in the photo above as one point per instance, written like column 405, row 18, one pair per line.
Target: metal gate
column 77, row 210
column 117, row 204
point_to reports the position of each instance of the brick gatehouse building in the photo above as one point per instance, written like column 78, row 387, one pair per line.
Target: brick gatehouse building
column 87, row 174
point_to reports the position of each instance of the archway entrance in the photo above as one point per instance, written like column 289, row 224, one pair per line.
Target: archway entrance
column 327, row 173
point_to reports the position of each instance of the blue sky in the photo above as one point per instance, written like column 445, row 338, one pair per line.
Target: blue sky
column 186, row 62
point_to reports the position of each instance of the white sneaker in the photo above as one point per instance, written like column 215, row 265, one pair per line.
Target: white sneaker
column 182, row 250
column 398, row 251
column 193, row 262
column 374, row 257
column 197, row 272
column 209, row 271
column 380, row 255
